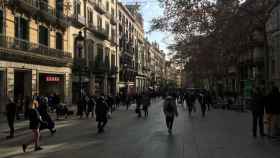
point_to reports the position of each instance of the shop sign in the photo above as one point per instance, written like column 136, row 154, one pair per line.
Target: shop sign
column 52, row 79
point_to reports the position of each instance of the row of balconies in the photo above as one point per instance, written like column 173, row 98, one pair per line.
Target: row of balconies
column 22, row 50
column 99, row 7
column 40, row 10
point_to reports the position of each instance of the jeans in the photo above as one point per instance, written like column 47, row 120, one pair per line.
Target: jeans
column 169, row 122
column 258, row 120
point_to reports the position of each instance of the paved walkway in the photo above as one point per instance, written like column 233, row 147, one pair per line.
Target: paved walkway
column 220, row 134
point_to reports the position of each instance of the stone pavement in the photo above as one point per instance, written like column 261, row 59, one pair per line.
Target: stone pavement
column 220, row 134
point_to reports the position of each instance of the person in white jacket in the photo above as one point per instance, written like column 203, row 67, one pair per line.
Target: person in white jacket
column 170, row 111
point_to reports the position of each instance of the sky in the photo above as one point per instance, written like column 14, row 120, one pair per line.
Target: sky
column 151, row 9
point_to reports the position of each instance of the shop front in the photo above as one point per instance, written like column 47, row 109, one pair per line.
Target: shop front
column 51, row 84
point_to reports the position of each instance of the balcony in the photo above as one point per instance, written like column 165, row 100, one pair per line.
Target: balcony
column 99, row 7
column 99, row 32
column 77, row 20
column 40, row 10
column 19, row 50
column 113, row 20
column 113, row 41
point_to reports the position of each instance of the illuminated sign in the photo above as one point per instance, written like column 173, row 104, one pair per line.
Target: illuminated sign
column 52, row 79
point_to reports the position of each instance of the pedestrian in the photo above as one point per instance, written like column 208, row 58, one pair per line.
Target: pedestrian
column 272, row 109
column 146, row 104
column 127, row 102
column 11, row 115
column 202, row 102
column 101, row 112
column 138, row 105
column 90, row 106
column 26, row 104
column 48, row 122
column 118, row 101
column 257, row 107
column 35, row 121
column 170, row 111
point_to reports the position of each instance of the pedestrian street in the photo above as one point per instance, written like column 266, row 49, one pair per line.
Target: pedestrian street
column 220, row 134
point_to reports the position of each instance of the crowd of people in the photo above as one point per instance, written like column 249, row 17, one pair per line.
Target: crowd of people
column 101, row 108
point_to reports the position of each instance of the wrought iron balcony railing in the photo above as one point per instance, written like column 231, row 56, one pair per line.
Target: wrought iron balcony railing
column 41, row 9
column 99, row 7
column 77, row 20
column 30, row 48
column 99, row 32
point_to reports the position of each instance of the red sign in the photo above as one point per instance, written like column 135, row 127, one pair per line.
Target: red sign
column 52, row 79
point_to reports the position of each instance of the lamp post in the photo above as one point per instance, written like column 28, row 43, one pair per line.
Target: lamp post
column 79, row 44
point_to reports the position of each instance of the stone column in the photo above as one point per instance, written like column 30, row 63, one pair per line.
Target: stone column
column 68, row 88
column 92, row 85
column 105, row 88
column 35, row 82
column 10, row 82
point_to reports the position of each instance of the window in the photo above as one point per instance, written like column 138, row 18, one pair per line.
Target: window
column 59, row 41
column 90, row 50
column 99, row 23
column 107, row 28
column 90, row 16
column 99, row 52
column 1, row 22
column 59, row 8
column 113, row 34
column 113, row 60
column 43, row 35
column 107, row 6
column 112, row 12
column 21, row 28
column 77, row 7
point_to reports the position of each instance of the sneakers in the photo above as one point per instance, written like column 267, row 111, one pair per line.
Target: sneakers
column 53, row 131
column 169, row 131
column 38, row 148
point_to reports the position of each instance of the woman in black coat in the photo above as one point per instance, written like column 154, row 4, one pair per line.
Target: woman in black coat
column 49, row 123
column 35, row 121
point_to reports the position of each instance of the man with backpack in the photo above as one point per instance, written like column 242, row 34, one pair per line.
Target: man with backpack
column 170, row 111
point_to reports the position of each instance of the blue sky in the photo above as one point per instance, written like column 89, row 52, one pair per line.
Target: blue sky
column 149, row 10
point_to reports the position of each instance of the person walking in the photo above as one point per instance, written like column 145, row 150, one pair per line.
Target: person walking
column 35, row 121
column 202, row 102
column 146, row 104
column 170, row 111
column 11, row 115
column 272, row 109
column 49, row 123
column 127, row 102
column 138, row 105
column 257, row 107
column 101, row 111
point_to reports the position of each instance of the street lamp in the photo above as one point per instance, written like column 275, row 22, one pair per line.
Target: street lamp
column 79, row 44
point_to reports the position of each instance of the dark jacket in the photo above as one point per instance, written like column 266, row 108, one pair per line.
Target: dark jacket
column 49, row 124
column 257, row 103
column 34, row 119
column 272, row 102
column 11, row 109
column 169, row 107
column 101, row 110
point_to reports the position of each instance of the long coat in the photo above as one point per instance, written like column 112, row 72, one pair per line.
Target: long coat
column 101, row 110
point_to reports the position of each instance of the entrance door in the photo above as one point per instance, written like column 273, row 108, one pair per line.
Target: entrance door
column 23, row 84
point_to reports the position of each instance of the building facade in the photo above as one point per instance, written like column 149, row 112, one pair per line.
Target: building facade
column 34, row 58
column 131, row 43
